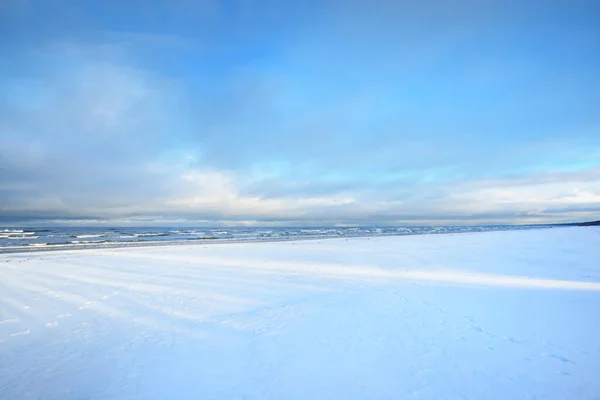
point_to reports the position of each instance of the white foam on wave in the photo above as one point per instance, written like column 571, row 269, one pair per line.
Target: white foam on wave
column 89, row 241
column 88, row 236
column 219, row 232
column 7, row 233
column 189, row 232
column 20, row 237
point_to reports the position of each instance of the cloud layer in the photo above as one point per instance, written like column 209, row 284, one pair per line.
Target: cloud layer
column 354, row 112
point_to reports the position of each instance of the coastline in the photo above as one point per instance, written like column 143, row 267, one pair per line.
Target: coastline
column 194, row 242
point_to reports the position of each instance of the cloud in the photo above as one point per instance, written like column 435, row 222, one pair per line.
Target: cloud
column 353, row 118
column 106, row 144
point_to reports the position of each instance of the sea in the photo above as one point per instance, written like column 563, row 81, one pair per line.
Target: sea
column 54, row 238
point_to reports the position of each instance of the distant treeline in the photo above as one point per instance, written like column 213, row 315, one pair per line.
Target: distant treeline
column 592, row 223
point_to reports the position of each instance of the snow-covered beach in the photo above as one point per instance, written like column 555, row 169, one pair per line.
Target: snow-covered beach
column 495, row 315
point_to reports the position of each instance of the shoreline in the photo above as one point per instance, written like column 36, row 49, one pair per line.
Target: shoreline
column 134, row 245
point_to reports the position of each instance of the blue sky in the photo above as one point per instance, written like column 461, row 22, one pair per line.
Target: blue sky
column 301, row 113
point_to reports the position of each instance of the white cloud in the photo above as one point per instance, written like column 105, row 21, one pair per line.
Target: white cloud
column 218, row 193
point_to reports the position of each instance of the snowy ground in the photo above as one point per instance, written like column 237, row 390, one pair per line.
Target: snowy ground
column 500, row 315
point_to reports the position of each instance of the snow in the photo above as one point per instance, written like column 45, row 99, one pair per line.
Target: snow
column 497, row 315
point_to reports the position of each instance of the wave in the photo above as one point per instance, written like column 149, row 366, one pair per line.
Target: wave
column 315, row 231
column 151, row 234
column 20, row 237
column 88, row 236
column 16, row 232
column 269, row 234
column 220, row 232
column 71, row 243
column 91, row 241
column 48, row 244
column 189, row 232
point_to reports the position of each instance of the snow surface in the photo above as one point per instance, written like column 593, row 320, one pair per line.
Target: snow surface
column 499, row 315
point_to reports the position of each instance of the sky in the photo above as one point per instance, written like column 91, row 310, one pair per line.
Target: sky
column 331, row 112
